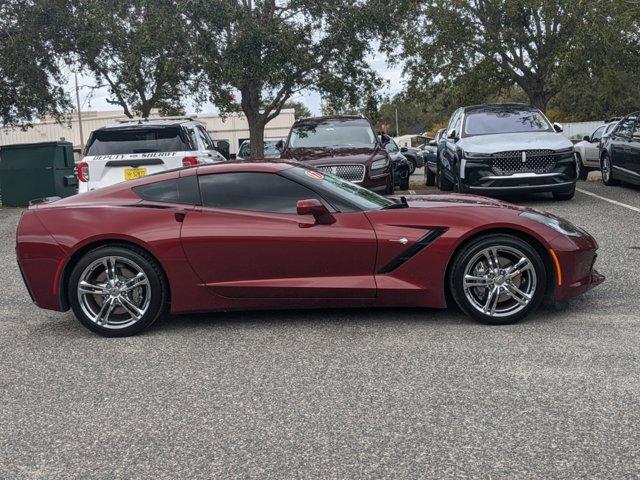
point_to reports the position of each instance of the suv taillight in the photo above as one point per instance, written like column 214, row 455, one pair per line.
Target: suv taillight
column 83, row 172
column 190, row 161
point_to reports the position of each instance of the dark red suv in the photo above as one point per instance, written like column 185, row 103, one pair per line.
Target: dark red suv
column 345, row 146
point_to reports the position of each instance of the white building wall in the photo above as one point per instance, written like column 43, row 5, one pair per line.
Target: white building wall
column 233, row 128
column 580, row 129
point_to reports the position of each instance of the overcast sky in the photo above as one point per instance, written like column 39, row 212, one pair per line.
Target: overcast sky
column 393, row 75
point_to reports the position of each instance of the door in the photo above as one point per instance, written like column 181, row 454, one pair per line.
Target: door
column 620, row 146
column 247, row 241
column 633, row 157
column 591, row 150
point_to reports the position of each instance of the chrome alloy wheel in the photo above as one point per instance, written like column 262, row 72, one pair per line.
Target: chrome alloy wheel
column 606, row 168
column 114, row 292
column 499, row 281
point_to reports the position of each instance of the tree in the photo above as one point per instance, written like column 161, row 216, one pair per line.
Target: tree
column 138, row 49
column 537, row 45
column 30, row 77
column 268, row 50
column 300, row 109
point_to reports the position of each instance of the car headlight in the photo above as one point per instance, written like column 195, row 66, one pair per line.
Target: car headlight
column 476, row 156
column 378, row 164
column 558, row 224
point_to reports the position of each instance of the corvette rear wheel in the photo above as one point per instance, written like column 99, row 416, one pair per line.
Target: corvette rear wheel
column 498, row 279
column 117, row 291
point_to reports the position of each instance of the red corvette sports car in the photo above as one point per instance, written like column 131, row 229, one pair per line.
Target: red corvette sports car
column 271, row 235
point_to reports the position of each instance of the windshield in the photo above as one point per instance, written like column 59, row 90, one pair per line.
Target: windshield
column 126, row 141
column 333, row 133
column 505, row 120
column 339, row 191
column 270, row 150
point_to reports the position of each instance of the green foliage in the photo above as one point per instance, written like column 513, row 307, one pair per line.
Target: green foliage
column 268, row 50
column 487, row 46
column 139, row 49
column 30, row 76
column 299, row 108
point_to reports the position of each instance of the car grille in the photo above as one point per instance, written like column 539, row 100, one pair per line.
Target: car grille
column 537, row 161
column 352, row 173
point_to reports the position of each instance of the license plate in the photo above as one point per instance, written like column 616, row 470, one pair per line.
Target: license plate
column 134, row 173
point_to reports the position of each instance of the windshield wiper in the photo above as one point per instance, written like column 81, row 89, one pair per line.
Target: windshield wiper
column 402, row 204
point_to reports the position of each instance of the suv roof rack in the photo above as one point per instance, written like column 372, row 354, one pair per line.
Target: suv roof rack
column 140, row 120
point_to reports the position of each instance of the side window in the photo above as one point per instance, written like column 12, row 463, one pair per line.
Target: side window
column 636, row 130
column 182, row 190
column 254, row 191
column 452, row 121
column 625, row 127
column 597, row 135
column 205, row 138
column 391, row 147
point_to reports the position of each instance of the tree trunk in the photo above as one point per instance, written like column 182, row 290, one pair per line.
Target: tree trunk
column 256, row 136
column 251, row 107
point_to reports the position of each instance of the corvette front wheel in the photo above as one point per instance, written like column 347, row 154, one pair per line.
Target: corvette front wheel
column 117, row 291
column 498, row 279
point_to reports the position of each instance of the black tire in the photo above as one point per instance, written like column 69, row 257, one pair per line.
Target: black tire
column 157, row 290
column 444, row 184
column 583, row 172
column 390, row 189
column 404, row 183
column 566, row 195
column 429, row 176
column 607, row 170
column 460, row 187
column 470, row 253
column 412, row 165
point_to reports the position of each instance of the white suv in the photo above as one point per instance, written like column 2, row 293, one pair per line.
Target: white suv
column 133, row 149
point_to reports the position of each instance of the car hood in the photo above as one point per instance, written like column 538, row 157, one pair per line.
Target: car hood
column 320, row 156
column 515, row 141
column 456, row 200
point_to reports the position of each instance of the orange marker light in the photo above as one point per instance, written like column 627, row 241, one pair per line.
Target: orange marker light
column 556, row 262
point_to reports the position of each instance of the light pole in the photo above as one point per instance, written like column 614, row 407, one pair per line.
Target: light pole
column 79, row 114
column 397, row 128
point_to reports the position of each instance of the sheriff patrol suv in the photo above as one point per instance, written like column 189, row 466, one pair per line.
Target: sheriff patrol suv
column 133, row 149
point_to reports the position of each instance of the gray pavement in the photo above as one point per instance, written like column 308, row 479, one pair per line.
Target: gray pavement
column 337, row 393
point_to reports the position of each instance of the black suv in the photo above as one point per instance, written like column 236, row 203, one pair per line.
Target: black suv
column 505, row 148
column 620, row 153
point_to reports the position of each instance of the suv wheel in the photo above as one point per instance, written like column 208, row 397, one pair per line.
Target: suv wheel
column 443, row 182
column 117, row 291
column 607, row 170
column 583, row 172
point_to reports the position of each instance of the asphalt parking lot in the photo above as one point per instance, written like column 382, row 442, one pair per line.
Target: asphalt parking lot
column 336, row 393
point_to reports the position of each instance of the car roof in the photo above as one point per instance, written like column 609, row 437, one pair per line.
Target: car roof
column 324, row 118
column 153, row 123
column 489, row 107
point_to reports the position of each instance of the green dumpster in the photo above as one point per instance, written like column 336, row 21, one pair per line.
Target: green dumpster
column 36, row 170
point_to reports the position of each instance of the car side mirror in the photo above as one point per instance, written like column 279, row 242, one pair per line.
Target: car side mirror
column 280, row 146
column 233, row 156
column 558, row 127
column 452, row 134
column 316, row 208
column 223, row 148
column 404, row 149
column 586, row 138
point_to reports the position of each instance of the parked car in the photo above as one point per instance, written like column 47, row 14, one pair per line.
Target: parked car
column 401, row 164
column 414, row 155
column 270, row 235
column 134, row 149
column 431, row 158
column 343, row 145
column 270, row 150
column 506, row 148
column 620, row 154
column 588, row 150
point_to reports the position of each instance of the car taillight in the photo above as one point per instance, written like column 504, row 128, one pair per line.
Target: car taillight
column 190, row 161
column 83, row 172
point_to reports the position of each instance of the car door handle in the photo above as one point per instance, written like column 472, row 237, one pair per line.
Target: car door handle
column 402, row 240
